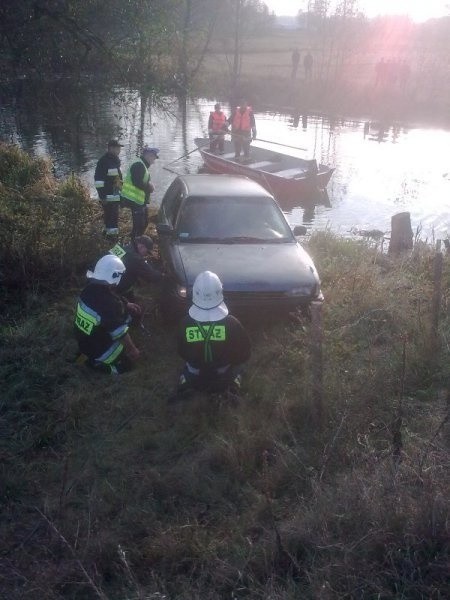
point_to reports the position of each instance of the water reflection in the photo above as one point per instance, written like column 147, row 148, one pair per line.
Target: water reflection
column 381, row 167
column 383, row 132
column 296, row 120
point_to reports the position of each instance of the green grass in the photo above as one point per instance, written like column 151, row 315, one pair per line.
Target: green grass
column 107, row 490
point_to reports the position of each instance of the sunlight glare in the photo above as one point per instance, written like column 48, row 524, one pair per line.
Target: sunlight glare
column 418, row 10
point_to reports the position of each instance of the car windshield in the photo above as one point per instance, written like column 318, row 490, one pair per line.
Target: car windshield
column 232, row 220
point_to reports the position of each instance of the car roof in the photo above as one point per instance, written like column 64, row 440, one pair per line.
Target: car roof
column 220, row 185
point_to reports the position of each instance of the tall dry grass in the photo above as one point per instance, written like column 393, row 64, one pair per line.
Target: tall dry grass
column 108, row 491
column 48, row 227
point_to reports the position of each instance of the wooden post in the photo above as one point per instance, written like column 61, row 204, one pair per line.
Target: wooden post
column 401, row 233
column 317, row 359
column 436, row 301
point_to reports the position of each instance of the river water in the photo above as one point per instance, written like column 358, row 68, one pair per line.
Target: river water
column 381, row 168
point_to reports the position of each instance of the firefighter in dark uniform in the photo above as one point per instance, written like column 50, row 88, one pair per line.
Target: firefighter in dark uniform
column 134, row 257
column 108, row 181
column 102, row 320
column 212, row 342
column 136, row 189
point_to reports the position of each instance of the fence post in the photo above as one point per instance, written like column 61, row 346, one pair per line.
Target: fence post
column 401, row 233
column 317, row 360
column 436, row 301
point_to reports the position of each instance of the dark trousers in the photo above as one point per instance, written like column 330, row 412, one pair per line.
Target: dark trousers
column 242, row 140
column 111, row 216
column 139, row 215
column 216, row 141
column 212, row 381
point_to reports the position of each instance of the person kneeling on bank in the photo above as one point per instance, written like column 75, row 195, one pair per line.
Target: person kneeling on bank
column 102, row 320
column 134, row 256
column 211, row 341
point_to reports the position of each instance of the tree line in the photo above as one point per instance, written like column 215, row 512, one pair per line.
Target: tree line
column 140, row 40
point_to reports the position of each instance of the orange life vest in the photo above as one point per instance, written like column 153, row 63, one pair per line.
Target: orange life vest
column 218, row 120
column 241, row 121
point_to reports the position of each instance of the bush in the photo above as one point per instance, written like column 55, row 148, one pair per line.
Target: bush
column 46, row 226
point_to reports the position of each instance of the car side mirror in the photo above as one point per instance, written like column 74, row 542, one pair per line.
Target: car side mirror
column 164, row 229
column 300, row 230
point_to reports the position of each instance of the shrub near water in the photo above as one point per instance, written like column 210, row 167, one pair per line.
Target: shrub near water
column 46, row 226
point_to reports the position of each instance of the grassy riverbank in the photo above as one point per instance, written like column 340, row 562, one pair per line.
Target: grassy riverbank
column 109, row 491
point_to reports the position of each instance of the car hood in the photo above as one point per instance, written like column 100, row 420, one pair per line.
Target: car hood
column 251, row 267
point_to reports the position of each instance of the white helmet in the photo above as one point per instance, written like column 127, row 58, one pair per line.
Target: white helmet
column 207, row 298
column 108, row 269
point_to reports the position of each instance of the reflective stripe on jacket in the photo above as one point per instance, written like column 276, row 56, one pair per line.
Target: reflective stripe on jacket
column 86, row 319
column 218, row 120
column 129, row 190
column 242, row 121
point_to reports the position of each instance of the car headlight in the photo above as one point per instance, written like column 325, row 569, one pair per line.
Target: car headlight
column 182, row 291
column 300, row 291
column 311, row 291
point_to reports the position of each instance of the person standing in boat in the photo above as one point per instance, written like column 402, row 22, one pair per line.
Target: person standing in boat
column 136, row 190
column 108, row 181
column 217, row 128
column 243, row 129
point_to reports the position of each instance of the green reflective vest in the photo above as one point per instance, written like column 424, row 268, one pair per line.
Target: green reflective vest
column 130, row 191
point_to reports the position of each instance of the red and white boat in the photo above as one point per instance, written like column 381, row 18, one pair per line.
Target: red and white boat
column 288, row 178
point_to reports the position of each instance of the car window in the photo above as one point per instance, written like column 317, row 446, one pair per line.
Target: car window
column 172, row 200
column 232, row 220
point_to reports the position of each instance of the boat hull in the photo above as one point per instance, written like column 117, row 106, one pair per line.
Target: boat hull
column 310, row 179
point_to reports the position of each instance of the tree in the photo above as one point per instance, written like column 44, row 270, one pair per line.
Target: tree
column 319, row 8
column 48, row 34
column 347, row 8
column 240, row 19
column 68, row 35
column 144, row 41
column 195, row 22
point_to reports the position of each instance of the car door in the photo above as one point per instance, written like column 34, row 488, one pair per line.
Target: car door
column 169, row 201
column 167, row 215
